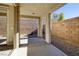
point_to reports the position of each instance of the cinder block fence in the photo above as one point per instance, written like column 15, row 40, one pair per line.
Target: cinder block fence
column 68, row 30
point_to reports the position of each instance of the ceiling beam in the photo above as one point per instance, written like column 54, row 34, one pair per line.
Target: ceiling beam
column 4, row 5
column 24, row 16
column 3, row 14
column 57, row 6
column 28, row 16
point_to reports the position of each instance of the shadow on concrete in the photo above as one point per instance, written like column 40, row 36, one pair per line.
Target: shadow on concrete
column 2, row 40
column 3, row 46
column 31, row 35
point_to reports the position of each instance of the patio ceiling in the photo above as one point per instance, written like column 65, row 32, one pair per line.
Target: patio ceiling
column 38, row 9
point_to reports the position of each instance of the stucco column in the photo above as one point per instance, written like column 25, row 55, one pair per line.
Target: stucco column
column 10, row 25
column 17, row 25
column 48, row 36
column 12, row 29
column 39, row 27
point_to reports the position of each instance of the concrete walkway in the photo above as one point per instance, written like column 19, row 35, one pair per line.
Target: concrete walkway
column 38, row 47
column 35, row 47
column 19, row 52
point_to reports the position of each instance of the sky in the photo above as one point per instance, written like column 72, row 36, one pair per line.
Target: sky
column 70, row 10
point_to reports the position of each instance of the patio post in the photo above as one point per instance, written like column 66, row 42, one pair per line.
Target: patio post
column 47, row 35
column 17, row 25
column 39, row 27
column 12, row 23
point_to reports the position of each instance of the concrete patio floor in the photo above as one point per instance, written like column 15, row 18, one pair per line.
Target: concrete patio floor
column 38, row 47
column 35, row 47
column 4, row 49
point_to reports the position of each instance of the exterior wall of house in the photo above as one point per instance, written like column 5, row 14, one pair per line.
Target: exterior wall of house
column 27, row 25
column 68, row 30
column 3, row 26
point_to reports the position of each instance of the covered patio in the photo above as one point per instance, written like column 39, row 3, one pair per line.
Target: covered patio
column 39, row 45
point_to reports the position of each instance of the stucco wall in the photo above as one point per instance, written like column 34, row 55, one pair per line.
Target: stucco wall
column 3, row 26
column 68, row 30
column 27, row 25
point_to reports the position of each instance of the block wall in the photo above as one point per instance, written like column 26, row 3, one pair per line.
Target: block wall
column 68, row 30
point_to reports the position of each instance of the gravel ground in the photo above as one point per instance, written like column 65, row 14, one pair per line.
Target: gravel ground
column 67, row 48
